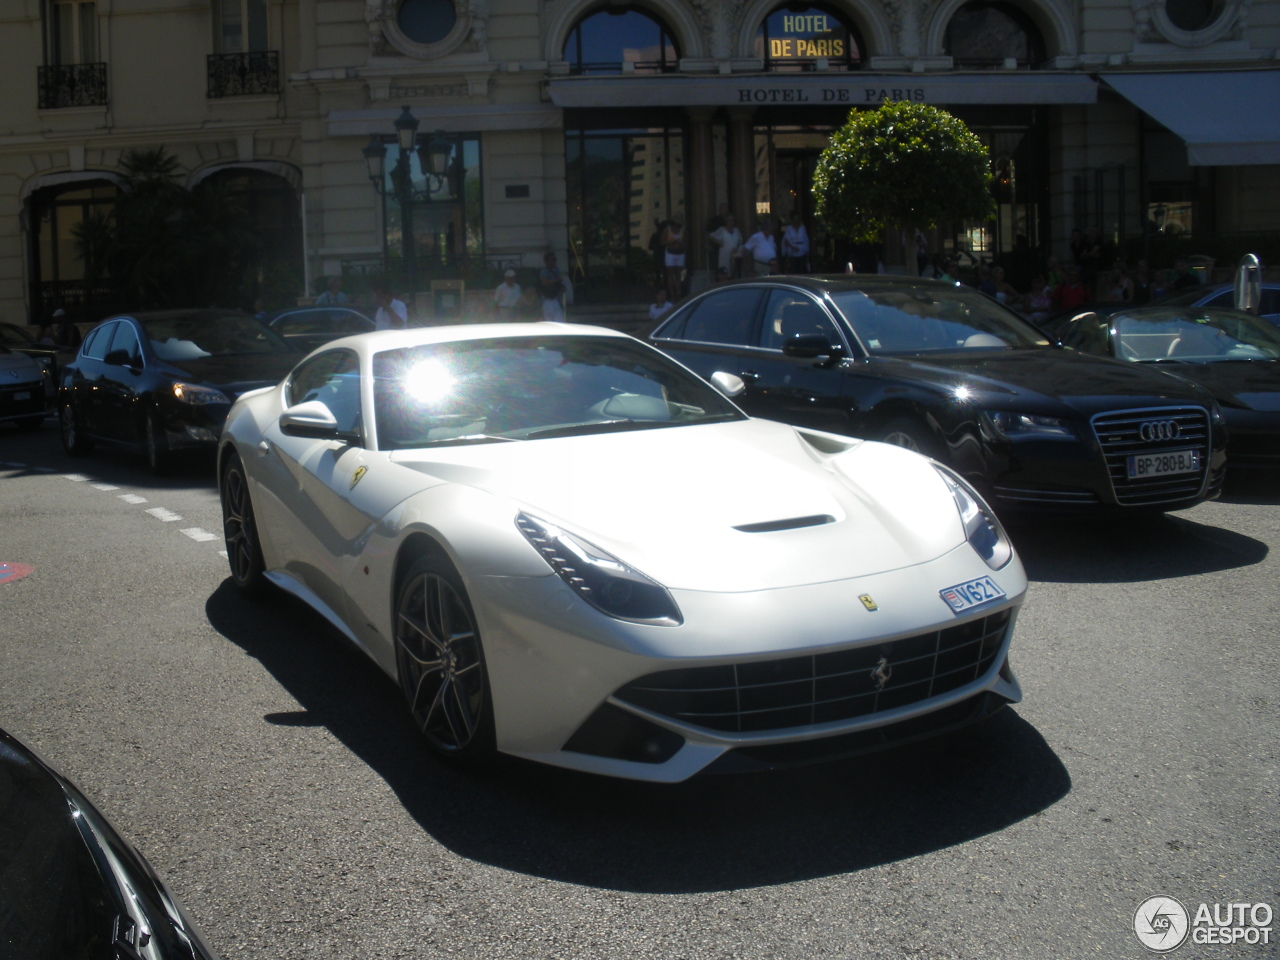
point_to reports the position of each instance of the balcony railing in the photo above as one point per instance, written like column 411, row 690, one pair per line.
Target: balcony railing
column 244, row 74
column 72, row 85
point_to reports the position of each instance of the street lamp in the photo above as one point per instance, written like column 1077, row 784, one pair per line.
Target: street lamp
column 434, row 154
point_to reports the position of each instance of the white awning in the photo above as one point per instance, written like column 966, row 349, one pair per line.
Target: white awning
column 1227, row 118
column 471, row 119
column 828, row 89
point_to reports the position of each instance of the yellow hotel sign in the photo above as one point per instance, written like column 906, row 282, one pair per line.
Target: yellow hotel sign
column 808, row 47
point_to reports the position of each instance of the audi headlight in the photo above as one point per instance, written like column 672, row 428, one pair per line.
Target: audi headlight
column 981, row 528
column 197, row 395
column 1029, row 426
column 598, row 577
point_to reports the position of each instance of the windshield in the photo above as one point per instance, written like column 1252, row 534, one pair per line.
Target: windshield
column 212, row 335
column 533, row 387
column 1202, row 336
column 1186, row 298
column 908, row 320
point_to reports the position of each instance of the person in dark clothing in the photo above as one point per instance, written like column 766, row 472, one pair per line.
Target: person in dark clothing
column 1183, row 278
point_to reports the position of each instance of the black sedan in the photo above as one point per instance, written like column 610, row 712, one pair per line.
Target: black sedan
column 163, row 382
column 1234, row 355
column 942, row 369
column 309, row 327
column 70, row 885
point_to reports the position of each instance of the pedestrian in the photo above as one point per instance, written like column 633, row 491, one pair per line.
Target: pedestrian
column 1183, row 278
column 673, row 257
column 728, row 241
column 762, row 248
column 392, row 313
column 332, row 296
column 795, row 244
column 661, row 307
column 507, row 296
column 1071, row 292
column 551, row 288
column 66, row 335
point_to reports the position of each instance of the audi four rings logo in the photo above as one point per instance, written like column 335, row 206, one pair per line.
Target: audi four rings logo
column 1159, row 430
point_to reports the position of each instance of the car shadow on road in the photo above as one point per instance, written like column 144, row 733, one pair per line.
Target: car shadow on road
column 708, row 834
column 1128, row 550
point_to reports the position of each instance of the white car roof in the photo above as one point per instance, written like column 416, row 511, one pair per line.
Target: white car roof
column 380, row 340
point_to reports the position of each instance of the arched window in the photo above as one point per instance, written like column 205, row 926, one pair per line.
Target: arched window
column 985, row 33
column 1192, row 15
column 797, row 36
column 426, row 21
column 603, row 41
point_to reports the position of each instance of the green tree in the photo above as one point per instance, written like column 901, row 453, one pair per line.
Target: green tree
column 905, row 163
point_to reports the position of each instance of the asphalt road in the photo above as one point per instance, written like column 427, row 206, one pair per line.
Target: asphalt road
column 271, row 776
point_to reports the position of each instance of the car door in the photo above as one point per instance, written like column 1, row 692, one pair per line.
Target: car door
column 304, row 480
column 715, row 333
column 121, row 385
column 806, row 391
column 85, row 380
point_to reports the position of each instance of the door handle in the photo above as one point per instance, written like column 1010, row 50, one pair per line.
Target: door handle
column 264, row 447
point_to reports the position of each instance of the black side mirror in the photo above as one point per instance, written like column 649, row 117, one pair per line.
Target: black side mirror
column 808, row 346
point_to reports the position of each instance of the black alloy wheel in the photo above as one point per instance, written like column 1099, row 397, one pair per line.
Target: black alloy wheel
column 244, row 552
column 73, row 439
column 441, row 663
column 159, row 457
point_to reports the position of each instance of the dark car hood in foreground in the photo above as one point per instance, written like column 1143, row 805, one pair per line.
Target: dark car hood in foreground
column 1244, row 384
column 237, row 374
column 1044, row 378
column 59, row 893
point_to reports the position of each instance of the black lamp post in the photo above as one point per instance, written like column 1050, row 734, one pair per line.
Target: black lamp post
column 433, row 156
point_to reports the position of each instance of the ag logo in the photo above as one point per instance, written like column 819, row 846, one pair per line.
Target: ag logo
column 358, row 476
column 1161, row 923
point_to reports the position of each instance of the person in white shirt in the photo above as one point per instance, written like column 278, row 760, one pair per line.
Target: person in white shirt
column 661, row 307
column 333, row 295
column 392, row 313
column 762, row 248
column 795, row 245
column 729, row 239
column 507, row 296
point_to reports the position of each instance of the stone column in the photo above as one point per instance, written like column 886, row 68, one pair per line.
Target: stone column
column 742, row 169
column 700, row 169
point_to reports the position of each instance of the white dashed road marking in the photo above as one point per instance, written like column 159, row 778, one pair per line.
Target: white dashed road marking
column 75, row 477
column 199, row 535
column 105, row 486
column 132, row 498
column 163, row 515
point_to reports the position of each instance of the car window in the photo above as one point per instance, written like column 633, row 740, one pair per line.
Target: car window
column 1089, row 334
column 333, row 378
column 1270, row 302
column 95, row 345
column 14, row 336
column 1202, row 336
column 929, row 318
column 125, row 339
column 724, row 317
column 193, row 337
column 1224, row 299
column 789, row 314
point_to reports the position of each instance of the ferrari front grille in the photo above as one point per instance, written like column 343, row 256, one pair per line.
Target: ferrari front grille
column 824, row 687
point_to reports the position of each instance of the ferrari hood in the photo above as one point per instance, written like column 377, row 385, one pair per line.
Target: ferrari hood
column 748, row 505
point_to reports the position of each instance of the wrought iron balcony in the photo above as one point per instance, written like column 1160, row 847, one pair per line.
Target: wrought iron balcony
column 72, row 85
column 244, row 74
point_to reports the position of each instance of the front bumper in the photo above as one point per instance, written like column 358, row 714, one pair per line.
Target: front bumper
column 565, row 678
column 21, row 400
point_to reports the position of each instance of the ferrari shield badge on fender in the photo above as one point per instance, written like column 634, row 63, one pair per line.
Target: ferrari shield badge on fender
column 868, row 602
column 358, row 476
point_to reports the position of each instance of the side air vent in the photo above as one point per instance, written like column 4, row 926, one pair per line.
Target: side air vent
column 793, row 524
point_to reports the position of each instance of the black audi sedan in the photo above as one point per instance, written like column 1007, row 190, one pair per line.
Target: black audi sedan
column 947, row 371
column 1232, row 354
column 70, row 885
column 163, row 382
column 309, row 327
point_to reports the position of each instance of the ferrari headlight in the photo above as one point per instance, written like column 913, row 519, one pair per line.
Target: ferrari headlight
column 598, row 577
column 197, row 395
column 981, row 528
column 1029, row 426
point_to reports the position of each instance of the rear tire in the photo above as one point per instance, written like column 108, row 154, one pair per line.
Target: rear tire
column 440, row 662
column 74, row 440
column 240, row 530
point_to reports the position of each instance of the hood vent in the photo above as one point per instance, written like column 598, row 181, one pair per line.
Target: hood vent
column 794, row 523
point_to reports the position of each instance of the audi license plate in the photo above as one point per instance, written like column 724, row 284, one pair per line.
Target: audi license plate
column 974, row 593
column 1163, row 463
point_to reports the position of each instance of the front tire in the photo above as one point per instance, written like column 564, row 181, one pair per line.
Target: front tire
column 240, row 530
column 911, row 435
column 440, row 662
column 73, row 439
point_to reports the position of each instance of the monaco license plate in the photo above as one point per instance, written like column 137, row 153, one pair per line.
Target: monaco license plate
column 1163, row 463
column 973, row 593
